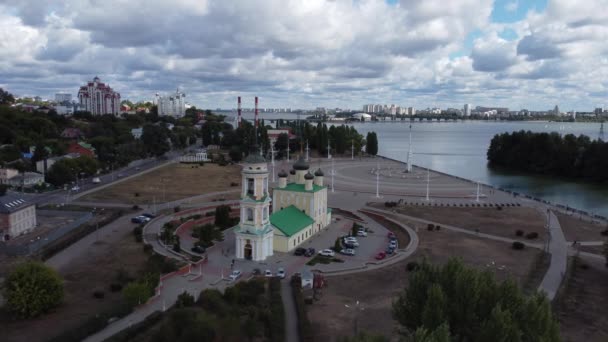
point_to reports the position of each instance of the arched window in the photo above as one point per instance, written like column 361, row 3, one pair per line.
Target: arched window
column 250, row 186
column 249, row 214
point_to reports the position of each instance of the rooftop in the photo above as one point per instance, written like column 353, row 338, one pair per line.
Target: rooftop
column 290, row 220
column 299, row 188
column 10, row 203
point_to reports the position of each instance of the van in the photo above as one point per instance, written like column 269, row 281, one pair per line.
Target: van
column 96, row 180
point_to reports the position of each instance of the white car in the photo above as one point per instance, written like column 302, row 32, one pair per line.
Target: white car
column 75, row 188
column 327, row 253
column 393, row 244
column 351, row 241
column 268, row 273
column 281, row 272
column 362, row 233
column 348, row 251
column 236, row 274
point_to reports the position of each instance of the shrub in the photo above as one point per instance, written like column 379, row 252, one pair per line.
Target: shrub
column 532, row 235
column 430, row 227
column 176, row 209
column 148, row 248
column 32, row 289
column 518, row 245
column 137, row 232
column 99, row 294
column 184, row 300
column 437, row 227
column 519, row 232
column 210, row 213
column 412, row 266
column 498, row 207
column 115, row 287
column 135, row 207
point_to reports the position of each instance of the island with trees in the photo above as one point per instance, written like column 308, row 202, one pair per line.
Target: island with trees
column 550, row 154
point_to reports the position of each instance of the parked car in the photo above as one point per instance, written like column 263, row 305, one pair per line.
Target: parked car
column 391, row 235
column 348, row 251
column 96, row 180
column 390, row 251
column 137, row 219
column 150, row 216
column 393, row 244
column 119, row 175
column 327, row 253
column 236, row 274
column 348, row 245
column 299, row 251
column 380, row 255
column 198, row 249
column 281, row 272
column 392, row 238
column 310, row 252
column 75, row 188
column 256, row 272
column 362, row 233
column 351, row 241
column 268, row 273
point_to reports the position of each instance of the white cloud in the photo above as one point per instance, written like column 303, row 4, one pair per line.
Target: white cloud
column 306, row 53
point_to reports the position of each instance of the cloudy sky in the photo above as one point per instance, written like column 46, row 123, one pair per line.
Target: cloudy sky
column 302, row 54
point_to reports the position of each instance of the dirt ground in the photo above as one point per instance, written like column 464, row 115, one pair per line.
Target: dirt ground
column 94, row 271
column 170, row 183
column 584, row 313
column 487, row 220
column 378, row 288
column 576, row 229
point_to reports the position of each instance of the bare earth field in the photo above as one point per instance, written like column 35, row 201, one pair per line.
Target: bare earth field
column 170, row 183
column 583, row 314
column 376, row 289
column 487, row 220
column 576, row 229
column 95, row 270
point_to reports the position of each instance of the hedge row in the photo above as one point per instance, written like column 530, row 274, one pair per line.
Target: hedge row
column 277, row 311
column 304, row 326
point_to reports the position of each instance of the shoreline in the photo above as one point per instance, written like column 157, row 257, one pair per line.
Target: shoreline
column 556, row 206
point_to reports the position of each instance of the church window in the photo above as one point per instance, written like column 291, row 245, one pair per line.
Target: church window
column 249, row 214
column 250, row 186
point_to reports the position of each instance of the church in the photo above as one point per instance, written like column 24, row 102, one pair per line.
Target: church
column 299, row 209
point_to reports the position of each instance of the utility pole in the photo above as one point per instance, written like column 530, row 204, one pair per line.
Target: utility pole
column 307, row 149
column 377, row 179
column 272, row 160
column 333, row 171
column 352, row 150
column 477, row 198
column 428, row 181
column 288, row 151
column 410, row 156
column 328, row 149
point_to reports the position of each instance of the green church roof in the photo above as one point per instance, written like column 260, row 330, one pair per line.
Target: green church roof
column 299, row 188
column 290, row 220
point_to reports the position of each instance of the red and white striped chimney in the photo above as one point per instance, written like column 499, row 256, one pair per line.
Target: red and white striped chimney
column 256, row 112
column 239, row 113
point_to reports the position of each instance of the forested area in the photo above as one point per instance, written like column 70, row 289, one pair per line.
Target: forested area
column 551, row 154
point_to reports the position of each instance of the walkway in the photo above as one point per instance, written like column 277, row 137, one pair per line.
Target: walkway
column 291, row 315
column 558, row 247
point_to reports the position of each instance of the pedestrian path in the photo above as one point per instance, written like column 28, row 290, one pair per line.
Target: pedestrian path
column 291, row 315
column 558, row 247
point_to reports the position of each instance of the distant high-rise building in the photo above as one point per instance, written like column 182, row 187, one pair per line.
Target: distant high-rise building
column 467, row 109
column 63, row 97
column 556, row 110
column 98, row 98
column 172, row 104
column 411, row 111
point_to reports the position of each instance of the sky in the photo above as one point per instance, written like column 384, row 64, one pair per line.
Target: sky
column 532, row 54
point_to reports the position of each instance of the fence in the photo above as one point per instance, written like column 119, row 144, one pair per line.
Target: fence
column 34, row 246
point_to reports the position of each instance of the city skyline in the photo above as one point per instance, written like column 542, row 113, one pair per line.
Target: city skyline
column 508, row 53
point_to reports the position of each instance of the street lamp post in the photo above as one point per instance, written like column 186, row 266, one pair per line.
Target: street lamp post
column 333, row 172
column 428, row 181
column 358, row 307
column 377, row 179
column 477, row 198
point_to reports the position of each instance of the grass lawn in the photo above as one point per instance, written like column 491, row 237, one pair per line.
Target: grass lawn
column 170, row 183
column 576, row 229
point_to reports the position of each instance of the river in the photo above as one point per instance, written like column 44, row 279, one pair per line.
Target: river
column 459, row 148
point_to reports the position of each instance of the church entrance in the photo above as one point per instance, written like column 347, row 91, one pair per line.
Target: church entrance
column 248, row 252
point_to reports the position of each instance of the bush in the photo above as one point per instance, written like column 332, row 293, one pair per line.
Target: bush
column 32, row 289
column 137, row 232
column 519, row 232
column 430, row 227
column 437, row 227
column 210, row 213
column 532, row 235
column 135, row 207
column 518, row 245
column 498, row 207
column 176, row 209
column 148, row 248
column 115, row 287
column 184, row 300
column 412, row 266
column 99, row 294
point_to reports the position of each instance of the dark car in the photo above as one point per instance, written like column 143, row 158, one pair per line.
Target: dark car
column 148, row 215
column 136, row 220
column 390, row 251
column 198, row 249
column 348, row 245
column 310, row 252
column 299, row 251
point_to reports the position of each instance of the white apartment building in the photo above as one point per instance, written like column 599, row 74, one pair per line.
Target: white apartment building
column 172, row 104
column 17, row 216
column 63, row 97
column 467, row 109
column 98, row 98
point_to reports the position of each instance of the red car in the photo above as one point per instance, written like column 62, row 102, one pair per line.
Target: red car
column 380, row 255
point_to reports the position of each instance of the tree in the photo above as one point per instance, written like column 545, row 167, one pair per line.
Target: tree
column 154, row 139
column 338, row 245
column 441, row 334
column 32, row 289
column 3, row 189
column 136, row 293
column 235, row 154
column 372, row 144
column 474, row 306
column 6, row 97
column 184, row 300
column 364, row 337
column 222, row 216
column 60, row 173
